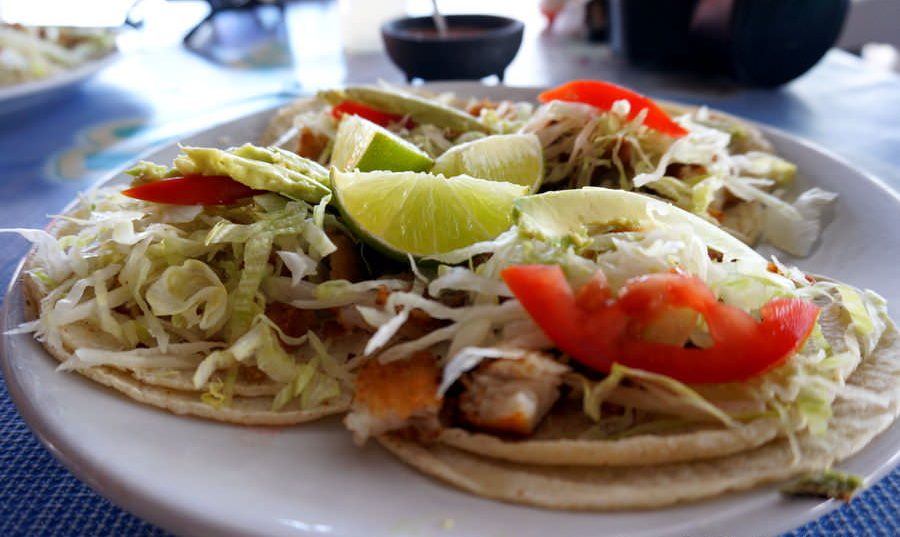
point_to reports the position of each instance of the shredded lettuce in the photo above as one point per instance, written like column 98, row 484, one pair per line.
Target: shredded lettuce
column 795, row 231
column 191, row 294
column 243, row 302
column 55, row 264
column 178, row 356
column 300, row 264
column 701, row 172
column 185, row 287
column 462, row 279
column 498, row 315
column 297, row 385
column 868, row 312
column 680, row 392
column 316, row 381
column 386, row 331
column 467, row 359
column 218, row 392
column 337, row 293
column 595, row 393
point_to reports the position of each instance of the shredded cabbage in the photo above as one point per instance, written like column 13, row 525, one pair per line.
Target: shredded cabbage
column 701, row 172
column 491, row 324
column 186, row 288
column 179, row 356
column 467, row 359
column 191, row 294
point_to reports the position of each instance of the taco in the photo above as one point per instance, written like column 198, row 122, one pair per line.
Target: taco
column 179, row 306
column 593, row 133
column 224, row 286
column 613, row 344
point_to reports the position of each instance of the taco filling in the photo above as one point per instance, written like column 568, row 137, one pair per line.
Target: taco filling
column 589, row 367
column 647, row 329
column 494, row 290
column 591, row 133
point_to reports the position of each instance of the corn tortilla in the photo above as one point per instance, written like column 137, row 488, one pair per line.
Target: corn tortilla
column 867, row 405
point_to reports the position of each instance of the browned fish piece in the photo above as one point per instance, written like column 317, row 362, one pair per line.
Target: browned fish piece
column 292, row 321
column 345, row 263
column 511, row 395
column 419, row 324
column 394, row 396
column 311, row 144
column 475, row 108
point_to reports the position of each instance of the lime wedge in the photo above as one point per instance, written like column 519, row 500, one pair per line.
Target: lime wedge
column 363, row 145
column 514, row 158
column 571, row 212
column 423, row 214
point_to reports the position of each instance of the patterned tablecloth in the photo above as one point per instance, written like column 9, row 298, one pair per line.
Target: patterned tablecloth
column 157, row 91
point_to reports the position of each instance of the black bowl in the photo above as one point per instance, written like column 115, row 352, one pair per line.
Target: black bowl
column 477, row 46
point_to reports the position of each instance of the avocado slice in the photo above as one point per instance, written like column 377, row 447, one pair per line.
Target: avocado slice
column 263, row 168
column 420, row 109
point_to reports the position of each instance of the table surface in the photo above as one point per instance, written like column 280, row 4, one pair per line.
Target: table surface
column 157, row 91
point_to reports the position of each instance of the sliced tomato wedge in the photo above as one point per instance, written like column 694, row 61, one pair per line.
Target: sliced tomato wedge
column 367, row 112
column 598, row 329
column 193, row 190
column 602, row 95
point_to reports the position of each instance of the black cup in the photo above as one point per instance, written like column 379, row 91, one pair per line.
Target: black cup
column 476, row 46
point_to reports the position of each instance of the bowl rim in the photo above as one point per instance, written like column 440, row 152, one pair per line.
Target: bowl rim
column 510, row 27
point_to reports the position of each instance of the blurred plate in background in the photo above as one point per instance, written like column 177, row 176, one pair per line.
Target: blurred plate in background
column 27, row 94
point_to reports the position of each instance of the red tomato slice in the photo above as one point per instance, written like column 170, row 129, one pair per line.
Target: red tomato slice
column 598, row 329
column 193, row 190
column 367, row 112
column 602, row 95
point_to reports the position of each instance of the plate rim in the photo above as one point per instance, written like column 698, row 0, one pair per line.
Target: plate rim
column 120, row 491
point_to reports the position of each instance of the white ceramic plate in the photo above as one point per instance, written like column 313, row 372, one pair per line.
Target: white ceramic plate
column 199, row 478
column 27, row 94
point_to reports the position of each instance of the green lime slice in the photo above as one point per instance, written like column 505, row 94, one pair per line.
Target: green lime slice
column 423, row 214
column 363, row 145
column 514, row 158
column 572, row 212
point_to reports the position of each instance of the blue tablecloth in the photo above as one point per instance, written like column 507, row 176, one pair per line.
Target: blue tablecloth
column 157, row 91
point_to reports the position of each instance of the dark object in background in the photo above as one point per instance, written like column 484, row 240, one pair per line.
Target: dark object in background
column 242, row 33
column 596, row 16
column 476, row 46
column 757, row 42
